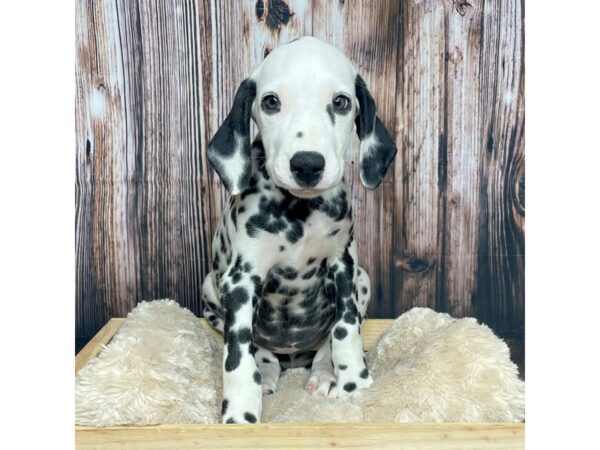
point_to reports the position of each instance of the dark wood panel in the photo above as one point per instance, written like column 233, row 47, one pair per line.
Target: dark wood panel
column 156, row 78
column 499, row 298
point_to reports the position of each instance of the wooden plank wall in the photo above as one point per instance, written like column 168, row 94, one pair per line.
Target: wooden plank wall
column 156, row 78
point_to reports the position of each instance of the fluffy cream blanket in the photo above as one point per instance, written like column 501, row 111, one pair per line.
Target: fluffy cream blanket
column 163, row 367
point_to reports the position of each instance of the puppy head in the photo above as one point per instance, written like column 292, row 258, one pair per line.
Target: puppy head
column 305, row 98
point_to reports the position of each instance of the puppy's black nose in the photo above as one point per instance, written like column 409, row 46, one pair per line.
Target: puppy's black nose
column 307, row 168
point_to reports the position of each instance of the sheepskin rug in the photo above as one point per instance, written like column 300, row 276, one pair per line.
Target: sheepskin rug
column 164, row 367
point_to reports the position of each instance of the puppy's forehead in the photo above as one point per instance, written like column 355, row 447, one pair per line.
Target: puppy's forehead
column 305, row 62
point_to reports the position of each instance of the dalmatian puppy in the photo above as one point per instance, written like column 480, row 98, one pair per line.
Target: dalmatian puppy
column 285, row 277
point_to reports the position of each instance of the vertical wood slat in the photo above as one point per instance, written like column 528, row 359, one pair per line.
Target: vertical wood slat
column 155, row 80
column 422, row 147
column 499, row 296
column 103, row 270
column 463, row 158
column 371, row 42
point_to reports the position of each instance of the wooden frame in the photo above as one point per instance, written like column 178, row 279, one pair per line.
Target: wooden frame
column 301, row 435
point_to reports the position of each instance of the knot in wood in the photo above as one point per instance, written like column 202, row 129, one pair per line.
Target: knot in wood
column 415, row 264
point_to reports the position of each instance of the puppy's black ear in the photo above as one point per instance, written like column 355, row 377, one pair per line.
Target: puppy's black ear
column 229, row 149
column 377, row 148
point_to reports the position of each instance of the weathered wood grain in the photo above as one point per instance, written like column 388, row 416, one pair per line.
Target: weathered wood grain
column 156, row 78
column 422, row 121
column 499, row 297
column 371, row 41
column 463, row 158
column 138, row 166
column 394, row 436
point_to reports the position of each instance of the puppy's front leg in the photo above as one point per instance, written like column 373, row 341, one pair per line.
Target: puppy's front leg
column 242, row 396
column 347, row 355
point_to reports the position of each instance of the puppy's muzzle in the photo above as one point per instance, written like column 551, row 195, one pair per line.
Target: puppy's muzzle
column 307, row 168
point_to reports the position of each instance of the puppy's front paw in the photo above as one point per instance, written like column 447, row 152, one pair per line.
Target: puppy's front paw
column 238, row 414
column 349, row 382
column 248, row 418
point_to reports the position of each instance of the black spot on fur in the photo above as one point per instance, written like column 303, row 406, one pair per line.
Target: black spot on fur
column 235, row 299
column 351, row 307
column 337, row 207
column 365, row 373
column 364, row 290
column 349, row 387
column 289, row 273
column 272, row 284
column 342, row 367
column 256, row 377
column 311, row 260
column 330, row 291
column 251, row 189
column 234, row 353
column 270, row 391
column 234, row 216
column 343, row 284
column 261, row 160
column 224, row 405
column 322, row 268
column 230, row 420
column 349, row 318
column 295, row 233
column 334, row 232
column 340, row 333
column 285, row 290
column 244, row 335
column 250, row 417
column 308, row 275
column 268, row 218
column 266, row 361
column 299, row 134
column 256, row 280
column 281, row 248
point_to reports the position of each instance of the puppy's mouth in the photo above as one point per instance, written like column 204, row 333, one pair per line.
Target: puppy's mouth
column 302, row 192
column 306, row 193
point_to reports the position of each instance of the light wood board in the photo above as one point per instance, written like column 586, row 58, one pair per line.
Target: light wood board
column 299, row 436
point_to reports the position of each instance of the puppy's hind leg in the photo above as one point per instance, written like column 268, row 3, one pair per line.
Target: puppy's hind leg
column 212, row 307
column 363, row 287
column 321, row 373
column 269, row 369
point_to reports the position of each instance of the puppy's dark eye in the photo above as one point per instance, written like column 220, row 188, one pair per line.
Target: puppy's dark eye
column 270, row 104
column 341, row 104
